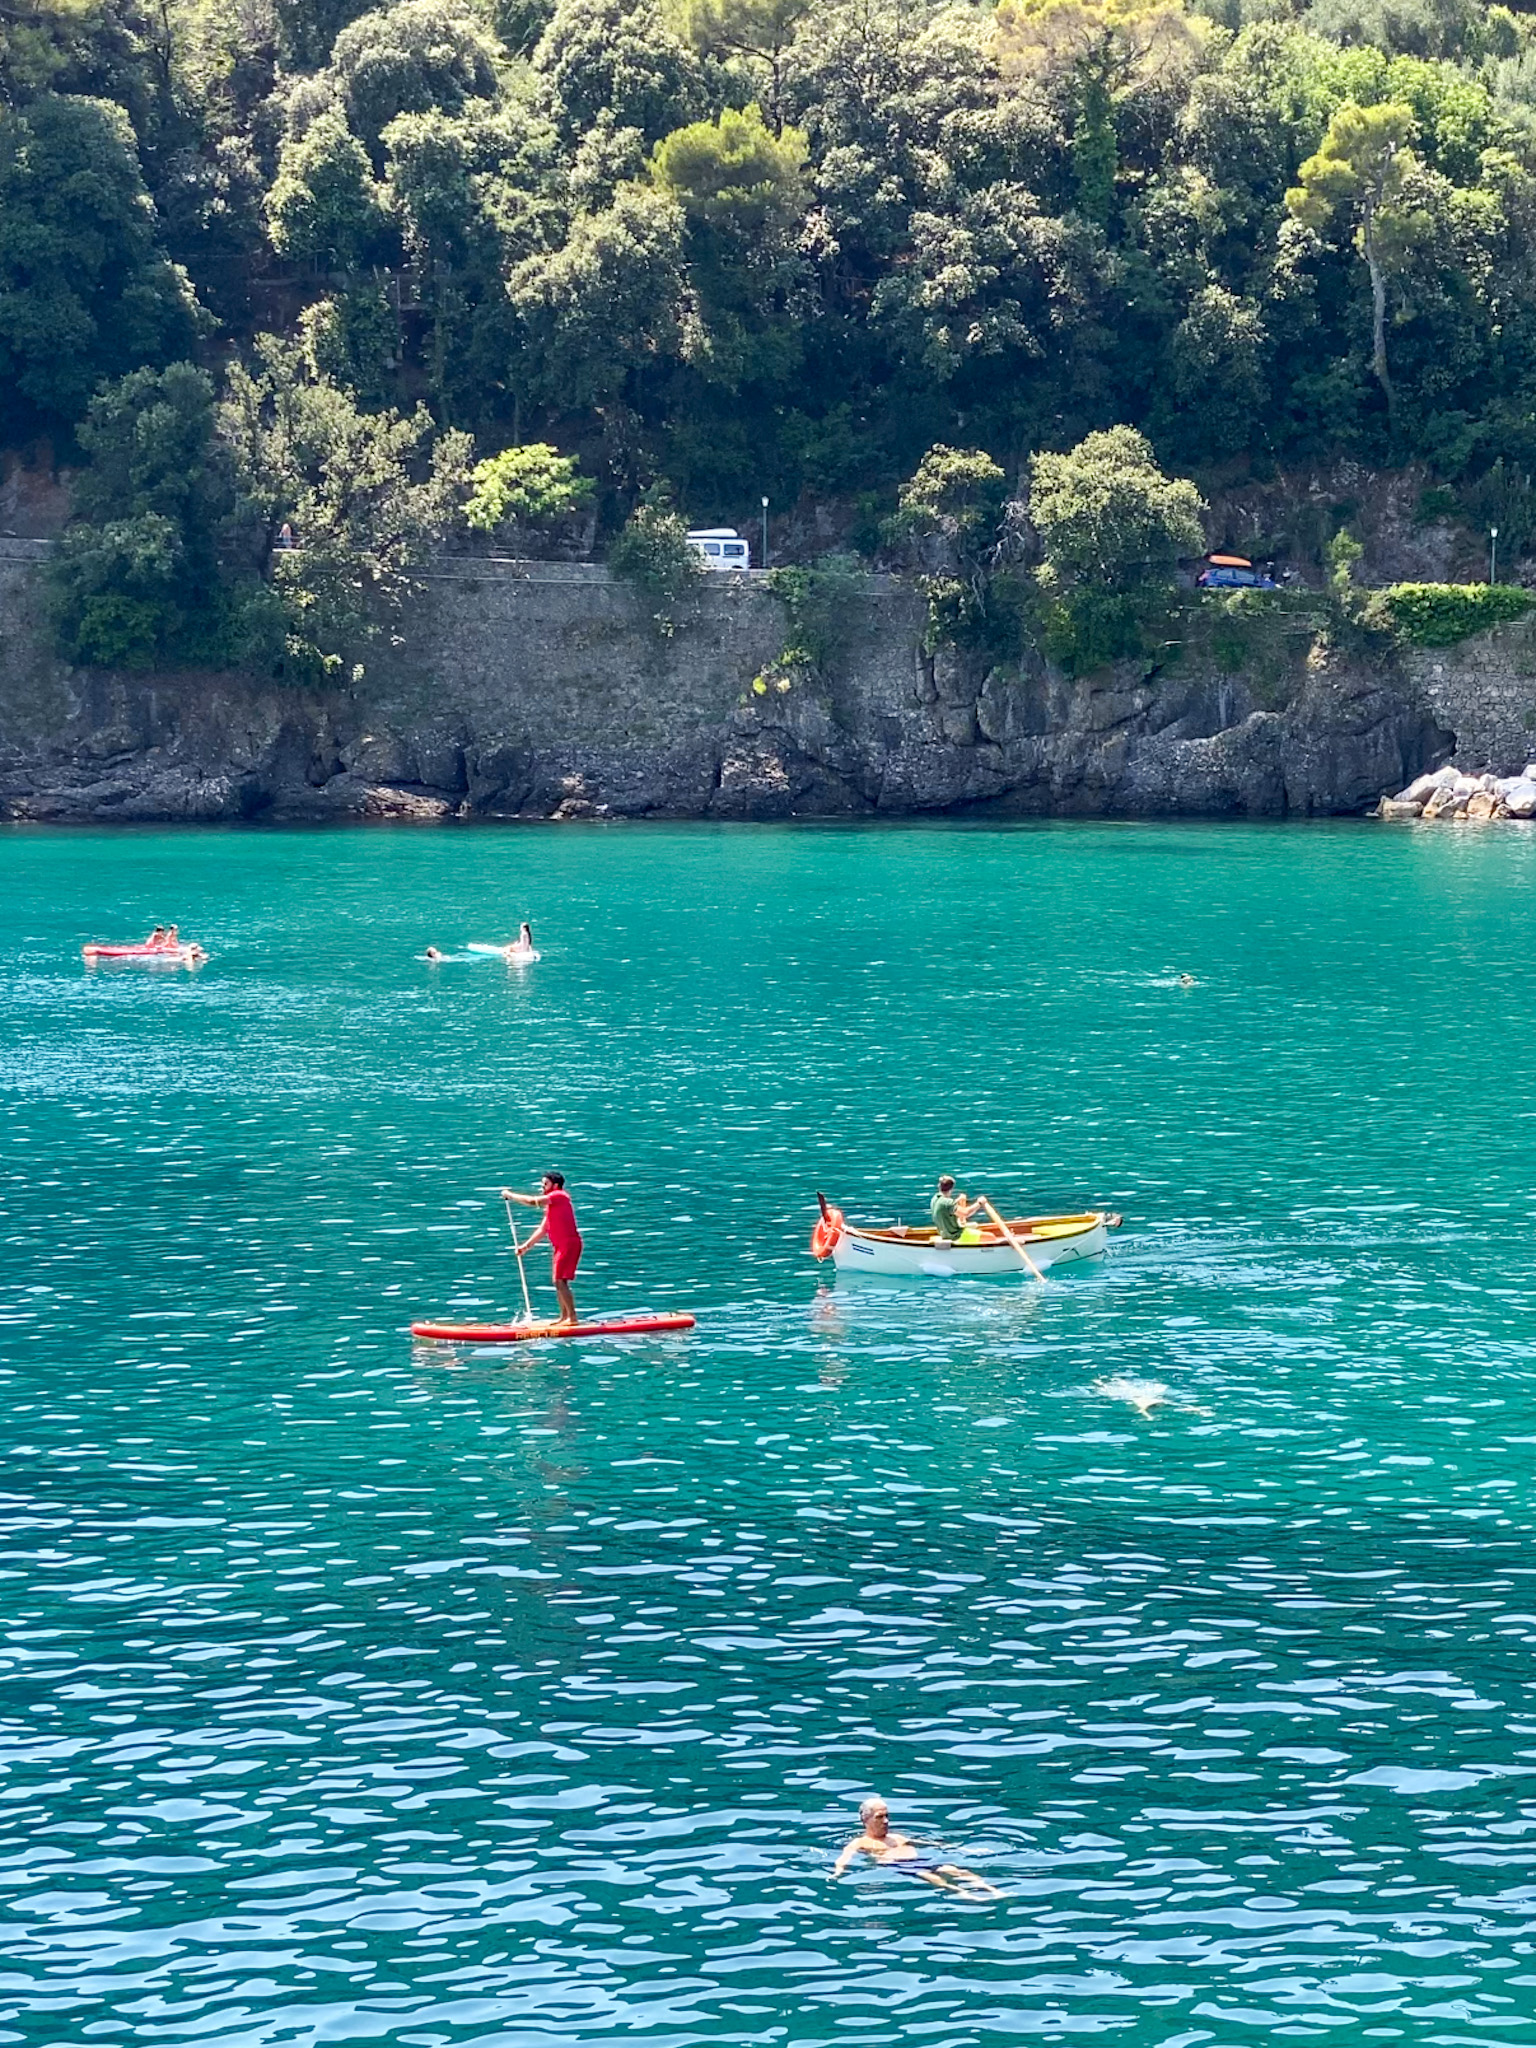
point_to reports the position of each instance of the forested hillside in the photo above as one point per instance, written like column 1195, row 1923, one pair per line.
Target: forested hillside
column 727, row 249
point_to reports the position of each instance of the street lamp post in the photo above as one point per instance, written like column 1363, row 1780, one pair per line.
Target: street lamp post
column 1493, row 554
column 765, row 533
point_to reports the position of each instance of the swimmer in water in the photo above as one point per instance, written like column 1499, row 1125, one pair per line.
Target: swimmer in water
column 877, row 1842
column 1187, row 981
column 434, row 955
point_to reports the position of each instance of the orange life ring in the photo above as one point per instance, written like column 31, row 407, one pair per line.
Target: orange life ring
column 828, row 1230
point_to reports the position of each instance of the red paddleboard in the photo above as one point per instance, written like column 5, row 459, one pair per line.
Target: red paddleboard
column 523, row 1333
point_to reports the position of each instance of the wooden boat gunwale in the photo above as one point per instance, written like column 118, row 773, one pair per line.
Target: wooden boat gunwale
column 1041, row 1228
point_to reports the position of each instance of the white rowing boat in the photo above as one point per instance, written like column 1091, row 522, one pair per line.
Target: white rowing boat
column 983, row 1253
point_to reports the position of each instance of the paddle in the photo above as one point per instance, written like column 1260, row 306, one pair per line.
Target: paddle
column 521, row 1270
column 1002, row 1226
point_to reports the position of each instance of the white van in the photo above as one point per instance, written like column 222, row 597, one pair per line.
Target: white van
column 721, row 546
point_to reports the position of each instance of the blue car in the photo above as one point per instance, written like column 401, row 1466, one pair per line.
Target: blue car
column 1235, row 579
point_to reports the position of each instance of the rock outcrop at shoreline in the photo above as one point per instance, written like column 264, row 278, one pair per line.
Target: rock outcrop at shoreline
column 545, row 691
column 1449, row 794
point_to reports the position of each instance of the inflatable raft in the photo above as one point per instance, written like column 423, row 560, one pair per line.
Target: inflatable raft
column 173, row 956
column 517, row 954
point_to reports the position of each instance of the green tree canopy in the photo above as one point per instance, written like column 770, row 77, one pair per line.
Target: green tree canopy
column 765, row 246
column 412, row 58
column 623, row 56
column 534, row 485
column 325, row 204
column 607, row 306
column 955, row 495
column 136, row 579
column 368, row 495
column 172, row 557
column 756, row 33
column 1363, row 166
column 86, row 291
column 733, row 172
column 1108, row 517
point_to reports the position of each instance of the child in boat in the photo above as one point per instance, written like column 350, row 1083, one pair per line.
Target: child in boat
column 952, row 1213
column 875, row 1840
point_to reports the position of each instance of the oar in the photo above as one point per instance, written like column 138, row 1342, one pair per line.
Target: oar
column 1002, row 1226
column 521, row 1271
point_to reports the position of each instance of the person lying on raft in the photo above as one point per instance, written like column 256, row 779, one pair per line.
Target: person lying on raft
column 559, row 1227
column 878, row 1842
column 952, row 1213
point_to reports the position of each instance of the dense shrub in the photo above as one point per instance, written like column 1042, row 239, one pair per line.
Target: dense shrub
column 1440, row 614
column 820, row 603
column 653, row 554
column 532, row 486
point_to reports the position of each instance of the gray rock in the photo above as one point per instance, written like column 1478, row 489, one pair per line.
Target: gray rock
column 1446, row 803
column 517, row 693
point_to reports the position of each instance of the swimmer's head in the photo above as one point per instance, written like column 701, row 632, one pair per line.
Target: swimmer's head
column 874, row 1808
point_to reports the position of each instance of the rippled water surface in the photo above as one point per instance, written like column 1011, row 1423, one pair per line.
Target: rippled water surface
column 357, row 1692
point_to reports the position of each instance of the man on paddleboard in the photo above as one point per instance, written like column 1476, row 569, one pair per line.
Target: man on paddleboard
column 559, row 1227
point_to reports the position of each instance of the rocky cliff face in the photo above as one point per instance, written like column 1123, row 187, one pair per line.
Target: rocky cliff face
column 542, row 690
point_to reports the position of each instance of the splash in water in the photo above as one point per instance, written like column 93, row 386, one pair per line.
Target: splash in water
column 1143, row 1395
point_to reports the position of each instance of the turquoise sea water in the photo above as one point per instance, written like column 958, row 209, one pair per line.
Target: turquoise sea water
column 362, row 1693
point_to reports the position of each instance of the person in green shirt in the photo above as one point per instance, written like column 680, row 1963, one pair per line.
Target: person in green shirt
column 951, row 1212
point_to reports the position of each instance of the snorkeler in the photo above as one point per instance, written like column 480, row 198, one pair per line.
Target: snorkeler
column 877, row 1841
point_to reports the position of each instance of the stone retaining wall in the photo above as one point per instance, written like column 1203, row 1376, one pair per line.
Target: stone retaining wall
column 545, row 690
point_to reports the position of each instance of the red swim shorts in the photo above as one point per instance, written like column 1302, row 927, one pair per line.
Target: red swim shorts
column 566, row 1260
